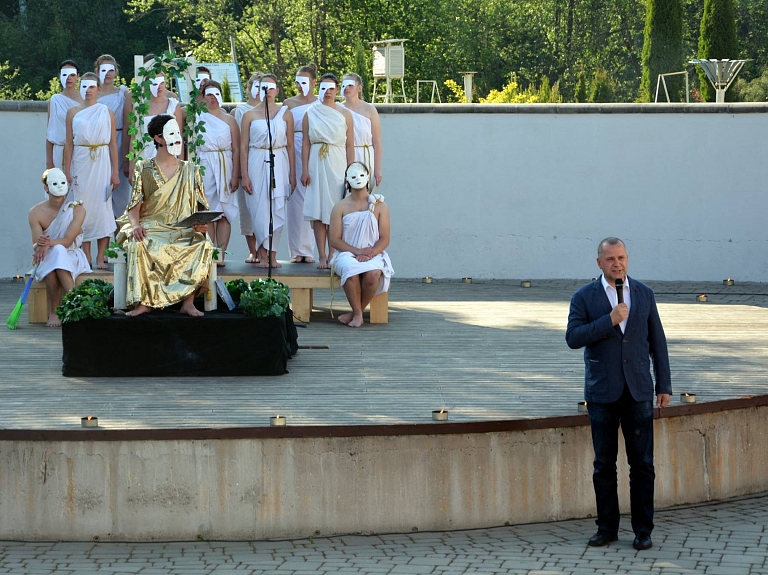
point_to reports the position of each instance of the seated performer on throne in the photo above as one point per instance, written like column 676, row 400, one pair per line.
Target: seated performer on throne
column 166, row 264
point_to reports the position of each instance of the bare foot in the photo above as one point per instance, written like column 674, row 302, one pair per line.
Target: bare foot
column 297, row 259
column 252, row 259
column 357, row 321
column 53, row 321
column 309, row 260
column 276, row 264
column 262, row 265
column 221, row 265
column 345, row 318
column 323, row 265
column 190, row 309
column 102, row 266
column 138, row 310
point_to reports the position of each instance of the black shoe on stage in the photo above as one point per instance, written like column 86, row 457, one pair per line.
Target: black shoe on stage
column 642, row 541
column 602, row 538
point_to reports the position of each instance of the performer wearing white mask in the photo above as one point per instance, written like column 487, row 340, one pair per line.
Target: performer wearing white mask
column 220, row 156
column 246, row 223
column 114, row 98
column 254, row 153
column 90, row 163
column 367, row 126
column 69, row 76
column 57, row 233
column 160, row 102
column 360, row 233
column 327, row 149
column 300, row 237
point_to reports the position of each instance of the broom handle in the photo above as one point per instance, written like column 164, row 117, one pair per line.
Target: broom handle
column 25, row 293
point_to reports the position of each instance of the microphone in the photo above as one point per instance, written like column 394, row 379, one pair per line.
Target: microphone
column 620, row 290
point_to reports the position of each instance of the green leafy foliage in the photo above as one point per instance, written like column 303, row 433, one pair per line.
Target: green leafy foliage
column 114, row 250
column 236, row 288
column 662, row 47
column 512, row 94
column 755, row 90
column 11, row 86
column 264, row 297
column 602, row 88
column 89, row 300
column 717, row 40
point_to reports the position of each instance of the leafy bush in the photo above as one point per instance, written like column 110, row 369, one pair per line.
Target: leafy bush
column 602, row 88
column 236, row 288
column 265, row 297
column 512, row 94
column 89, row 300
column 753, row 90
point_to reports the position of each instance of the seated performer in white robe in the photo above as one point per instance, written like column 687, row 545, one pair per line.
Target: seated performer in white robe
column 221, row 167
column 56, row 226
column 328, row 147
column 360, row 234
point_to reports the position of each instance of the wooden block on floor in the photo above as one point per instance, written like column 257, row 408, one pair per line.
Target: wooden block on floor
column 301, row 303
column 380, row 308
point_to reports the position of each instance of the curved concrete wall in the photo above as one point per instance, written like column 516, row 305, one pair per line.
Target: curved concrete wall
column 265, row 487
column 526, row 191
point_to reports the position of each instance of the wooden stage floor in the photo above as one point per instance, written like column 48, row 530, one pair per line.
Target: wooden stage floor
column 484, row 351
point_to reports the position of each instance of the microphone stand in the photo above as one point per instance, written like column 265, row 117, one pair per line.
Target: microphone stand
column 271, row 185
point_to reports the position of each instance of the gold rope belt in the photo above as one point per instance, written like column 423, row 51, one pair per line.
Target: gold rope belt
column 93, row 148
column 366, row 155
column 273, row 148
column 325, row 148
column 222, row 166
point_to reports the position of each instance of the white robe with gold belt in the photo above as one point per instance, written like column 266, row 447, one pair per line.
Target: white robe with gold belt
column 327, row 161
column 216, row 157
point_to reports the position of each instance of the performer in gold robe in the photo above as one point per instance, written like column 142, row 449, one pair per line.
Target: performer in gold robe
column 166, row 264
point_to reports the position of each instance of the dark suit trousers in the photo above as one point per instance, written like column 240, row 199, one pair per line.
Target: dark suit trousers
column 636, row 421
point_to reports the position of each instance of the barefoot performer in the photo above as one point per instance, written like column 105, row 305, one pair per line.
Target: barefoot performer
column 360, row 234
column 57, row 234
column 166, row 264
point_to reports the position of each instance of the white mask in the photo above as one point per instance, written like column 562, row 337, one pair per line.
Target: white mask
column 215, row 92
column 346, row 83
column 155, row 86
column 105, row 69
column 85, row 84
column 56, row 182
column 172, row 136
column 303, row 83
column 324, row 87
column 357, row 176
column 64, row 74
column 200, row 77
column 256, row 90
column 267, row 86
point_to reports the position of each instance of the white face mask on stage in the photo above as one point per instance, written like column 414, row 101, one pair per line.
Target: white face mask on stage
column 357, row 176
column 155, row 86
column 324, row 87
column 346, row 83
column 66, row 73
column 56, row 182
column 267, row 86
column 105, row 69
column 214, row 92
column 255, row 89
column 85, row 84
column 172, row 136
column 200, row 77
column 303, row 83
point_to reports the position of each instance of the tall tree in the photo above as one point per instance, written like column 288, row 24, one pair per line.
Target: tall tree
column 717, row 39
column 662, row 46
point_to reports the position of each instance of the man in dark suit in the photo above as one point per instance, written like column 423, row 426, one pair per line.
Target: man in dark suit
column 619, row 340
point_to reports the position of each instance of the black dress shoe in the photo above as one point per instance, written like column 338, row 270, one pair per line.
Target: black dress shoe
column 642, row 541
column 602, row 538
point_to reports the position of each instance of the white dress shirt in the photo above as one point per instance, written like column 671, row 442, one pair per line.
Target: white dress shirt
column 613, row 297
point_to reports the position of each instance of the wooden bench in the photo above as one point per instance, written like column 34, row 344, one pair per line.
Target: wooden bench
column 303, row 279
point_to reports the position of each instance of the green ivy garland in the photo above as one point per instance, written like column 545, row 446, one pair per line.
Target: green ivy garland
column 170, row 66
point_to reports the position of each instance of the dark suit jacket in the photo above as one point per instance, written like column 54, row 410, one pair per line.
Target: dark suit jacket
column 611, row 358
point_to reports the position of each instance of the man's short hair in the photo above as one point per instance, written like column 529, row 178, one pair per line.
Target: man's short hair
column 157, row 124
column 609, row 242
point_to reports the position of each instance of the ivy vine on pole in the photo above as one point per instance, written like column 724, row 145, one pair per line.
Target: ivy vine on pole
column 170, row 66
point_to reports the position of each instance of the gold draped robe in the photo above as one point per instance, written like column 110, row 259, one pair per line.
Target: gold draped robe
column 170, row 264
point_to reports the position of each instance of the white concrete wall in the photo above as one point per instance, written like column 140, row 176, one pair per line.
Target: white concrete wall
column 529, row 194
column 299, row 487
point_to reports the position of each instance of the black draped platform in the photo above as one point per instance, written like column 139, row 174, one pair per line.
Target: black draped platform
column 168, row 343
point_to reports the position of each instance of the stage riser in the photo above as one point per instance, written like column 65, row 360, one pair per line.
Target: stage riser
column 264, row 488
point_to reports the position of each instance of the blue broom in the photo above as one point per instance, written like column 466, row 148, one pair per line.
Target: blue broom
column 13, row 320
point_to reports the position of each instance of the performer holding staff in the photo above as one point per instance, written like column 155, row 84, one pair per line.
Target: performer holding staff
column 69, row 75
column 300, row 237
column 254, row 150
column 90, row 163
column 246, row 223
column 327, row 150
column 114, row 98
column 222, row 166
column 367, row 126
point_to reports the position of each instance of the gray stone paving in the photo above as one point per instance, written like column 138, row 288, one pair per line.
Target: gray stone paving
column 726, row 538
